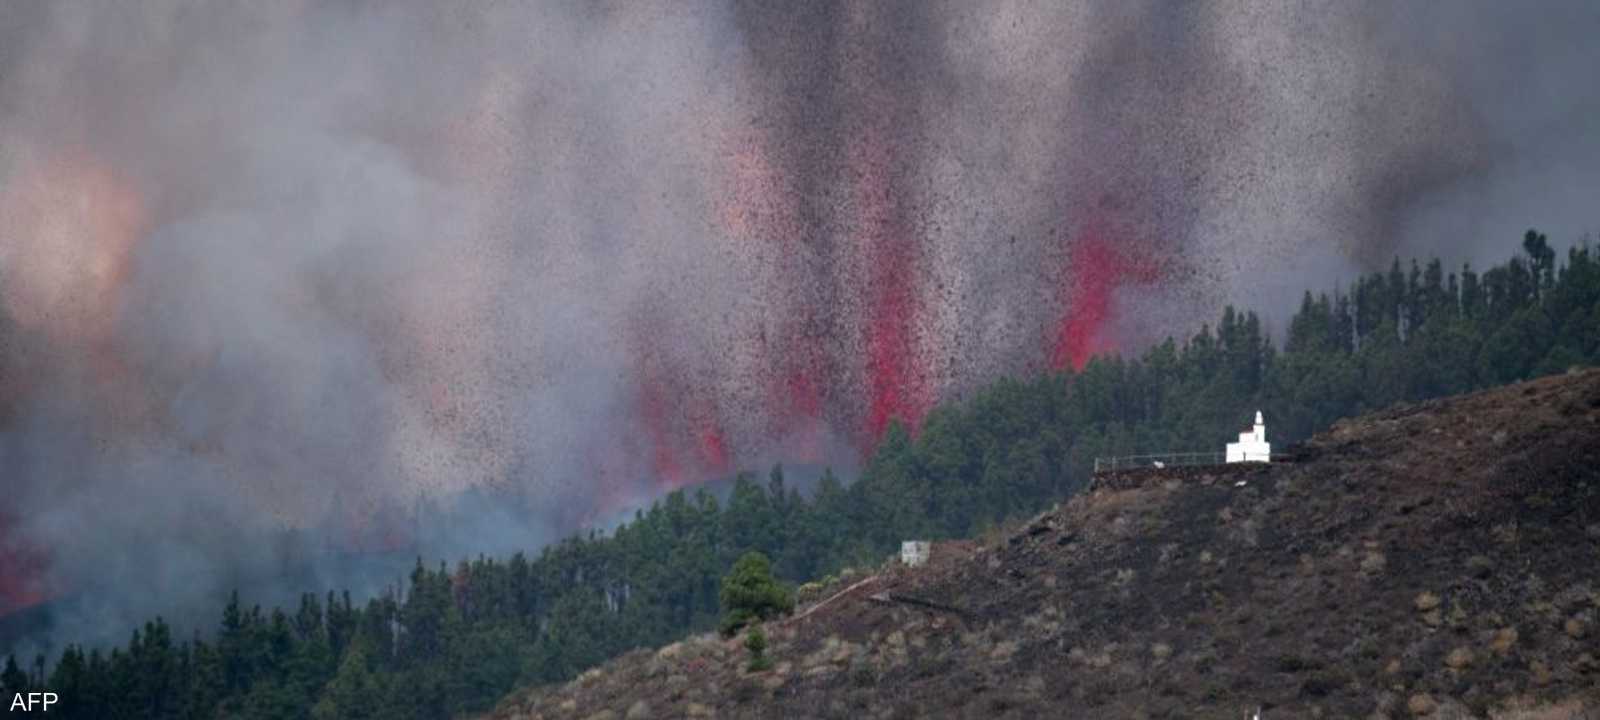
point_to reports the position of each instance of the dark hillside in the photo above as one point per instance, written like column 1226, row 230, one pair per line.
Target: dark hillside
column 1433, row 559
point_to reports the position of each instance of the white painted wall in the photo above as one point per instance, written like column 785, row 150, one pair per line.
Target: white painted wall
column 1252, row 445
column 914, row 552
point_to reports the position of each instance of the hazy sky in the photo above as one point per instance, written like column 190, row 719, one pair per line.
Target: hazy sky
column 292, row 264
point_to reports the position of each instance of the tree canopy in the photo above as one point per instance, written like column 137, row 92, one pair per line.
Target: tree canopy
column 456, row 639
column 750, row 594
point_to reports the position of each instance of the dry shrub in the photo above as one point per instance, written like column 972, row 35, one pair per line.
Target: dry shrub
column 1566, row 710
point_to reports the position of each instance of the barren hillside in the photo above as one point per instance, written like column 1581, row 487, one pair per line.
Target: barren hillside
column 1440, row 559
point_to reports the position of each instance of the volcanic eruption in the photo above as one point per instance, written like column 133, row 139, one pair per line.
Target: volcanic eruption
column 308, row 267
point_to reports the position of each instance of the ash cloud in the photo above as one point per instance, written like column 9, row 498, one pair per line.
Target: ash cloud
column 274, row 276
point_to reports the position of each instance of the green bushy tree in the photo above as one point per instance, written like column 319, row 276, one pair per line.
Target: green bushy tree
column 750, row 594
column 756, row 642
column 462, row 638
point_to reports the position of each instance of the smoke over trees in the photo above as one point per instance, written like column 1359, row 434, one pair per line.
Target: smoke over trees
column 293, row 266
column 457, row 639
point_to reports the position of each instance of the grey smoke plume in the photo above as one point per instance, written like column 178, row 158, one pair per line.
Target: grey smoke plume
column 294, row 266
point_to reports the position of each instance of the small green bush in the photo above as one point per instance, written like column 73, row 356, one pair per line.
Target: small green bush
column 756, row 642
column 750, row 594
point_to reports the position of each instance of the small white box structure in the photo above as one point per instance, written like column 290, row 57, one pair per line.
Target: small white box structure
column 1252, row 445
column 913, row 552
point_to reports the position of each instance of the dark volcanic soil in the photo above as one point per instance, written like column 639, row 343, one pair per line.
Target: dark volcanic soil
column 1440, row 559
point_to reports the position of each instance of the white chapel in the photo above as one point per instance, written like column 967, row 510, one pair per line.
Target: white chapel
column 1252, row 445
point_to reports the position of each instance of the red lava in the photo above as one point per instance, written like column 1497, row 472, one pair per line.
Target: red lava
column 1097, row 268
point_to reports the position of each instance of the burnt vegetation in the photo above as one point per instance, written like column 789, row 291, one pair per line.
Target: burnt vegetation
column 1302, row 589
column 1434, row 559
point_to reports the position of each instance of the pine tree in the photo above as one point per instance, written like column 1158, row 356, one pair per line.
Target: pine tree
column 354, row 693
column 461, row 638
column 751, row 594
column 756, row 642
column 12, row 680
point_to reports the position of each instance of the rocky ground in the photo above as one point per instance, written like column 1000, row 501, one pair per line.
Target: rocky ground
column 1438, row 560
